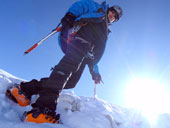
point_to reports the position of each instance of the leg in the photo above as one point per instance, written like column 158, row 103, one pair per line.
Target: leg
column 75, row 77
column 22, row 93
column 27, row 89
column 33, row 87
column 61, row 74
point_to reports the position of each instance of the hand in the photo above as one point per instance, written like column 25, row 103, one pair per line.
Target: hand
column 68, row 20
column 97, row 78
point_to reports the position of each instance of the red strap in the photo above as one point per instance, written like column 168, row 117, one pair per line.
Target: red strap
column 70, row 36
column 73, row 34
column 58, row 29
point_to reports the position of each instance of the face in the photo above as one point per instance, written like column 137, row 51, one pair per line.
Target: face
column 112, row 16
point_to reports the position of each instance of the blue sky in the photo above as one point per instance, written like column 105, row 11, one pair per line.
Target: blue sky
column 139, row 44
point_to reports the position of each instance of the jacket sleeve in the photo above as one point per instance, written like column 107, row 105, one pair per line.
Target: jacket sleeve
column 81, row 7
column 94, row 69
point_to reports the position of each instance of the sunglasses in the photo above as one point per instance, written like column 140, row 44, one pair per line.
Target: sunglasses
column 116, row 14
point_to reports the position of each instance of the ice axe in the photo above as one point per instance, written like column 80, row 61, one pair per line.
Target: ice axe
column 57, row 29
column 95, row 86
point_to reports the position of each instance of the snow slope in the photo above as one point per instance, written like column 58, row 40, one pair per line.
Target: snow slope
column 76, row 112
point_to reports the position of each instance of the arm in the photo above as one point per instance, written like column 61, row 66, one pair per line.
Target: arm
column 81, row 7
column 94, row 71
column 77, row 9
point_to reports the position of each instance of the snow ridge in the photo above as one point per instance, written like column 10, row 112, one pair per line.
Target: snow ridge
column 76, row 112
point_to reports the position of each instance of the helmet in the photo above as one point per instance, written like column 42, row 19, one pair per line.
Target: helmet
column 117, row 10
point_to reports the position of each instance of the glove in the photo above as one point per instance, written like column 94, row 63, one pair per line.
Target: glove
column 68, row 20
column 97, row 78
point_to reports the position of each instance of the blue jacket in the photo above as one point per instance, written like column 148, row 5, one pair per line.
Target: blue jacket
column 87, row 10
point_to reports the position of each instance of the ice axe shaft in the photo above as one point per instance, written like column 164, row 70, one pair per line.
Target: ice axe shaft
column 57, row 29
column 95, row 86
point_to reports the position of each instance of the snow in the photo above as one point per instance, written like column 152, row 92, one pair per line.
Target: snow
column 76, row 112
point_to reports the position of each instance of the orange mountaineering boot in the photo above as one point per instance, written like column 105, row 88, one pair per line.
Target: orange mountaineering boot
column 17, row 95
column 41, row 116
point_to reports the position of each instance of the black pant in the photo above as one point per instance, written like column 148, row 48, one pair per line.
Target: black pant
column 65, row 75
column 34, row 86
